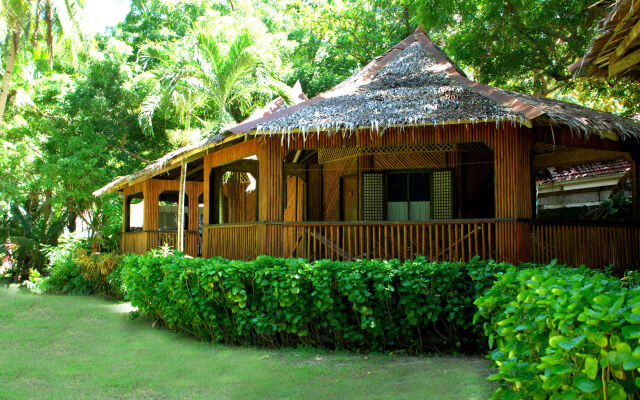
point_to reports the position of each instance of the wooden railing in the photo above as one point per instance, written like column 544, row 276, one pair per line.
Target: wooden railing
column 134, row 242
column 591, row 244
column 142, row 242
column 236, row 242
column 442, row 240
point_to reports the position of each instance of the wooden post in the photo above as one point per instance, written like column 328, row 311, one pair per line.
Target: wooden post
column 183, row 180
column 513, row 193
column 635, row 185
column 271, row 151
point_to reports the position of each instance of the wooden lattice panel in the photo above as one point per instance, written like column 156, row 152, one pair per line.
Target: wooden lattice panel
column 435, row 160
column 333, row 154
column 331, row 186
column 442, row 194
column 373, row 197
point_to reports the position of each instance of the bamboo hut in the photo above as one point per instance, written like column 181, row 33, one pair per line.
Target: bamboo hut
column 406, row 157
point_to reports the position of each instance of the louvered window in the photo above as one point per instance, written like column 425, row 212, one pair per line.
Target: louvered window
column 408, row 196
column 373, row 196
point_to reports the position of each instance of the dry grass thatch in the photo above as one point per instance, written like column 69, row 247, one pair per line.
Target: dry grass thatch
column 612, row 30
column 415, row 83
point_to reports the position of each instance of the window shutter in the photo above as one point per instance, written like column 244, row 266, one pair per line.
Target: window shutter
column 372, row 196
column 443, row 194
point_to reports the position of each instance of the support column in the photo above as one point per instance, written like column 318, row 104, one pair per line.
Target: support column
column 183, row 181
column 271, row 151
column 635, row 185
column 513, row 193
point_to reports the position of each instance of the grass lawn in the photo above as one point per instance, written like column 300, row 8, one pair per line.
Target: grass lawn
column 61, row 347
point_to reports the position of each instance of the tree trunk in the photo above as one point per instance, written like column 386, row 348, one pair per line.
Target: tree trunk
column 6, row 80
column 49, row 19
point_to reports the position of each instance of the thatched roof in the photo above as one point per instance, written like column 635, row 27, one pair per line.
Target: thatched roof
column 415, row 83
column 614, row 52
column 175, row 157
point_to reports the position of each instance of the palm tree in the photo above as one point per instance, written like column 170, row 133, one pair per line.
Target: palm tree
column 225, row 76
column 14, row 13
column 17, row 16
column 203, row 79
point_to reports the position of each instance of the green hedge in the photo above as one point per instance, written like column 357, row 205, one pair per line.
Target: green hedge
column 363, row 305
column 563, row 333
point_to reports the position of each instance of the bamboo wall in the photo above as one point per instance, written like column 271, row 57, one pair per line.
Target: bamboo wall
column 513, row 188
column 331, row 174
column 511, row 145
column 150, row 237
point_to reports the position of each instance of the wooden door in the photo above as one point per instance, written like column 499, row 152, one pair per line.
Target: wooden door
column 349, row 201
column 349, row 185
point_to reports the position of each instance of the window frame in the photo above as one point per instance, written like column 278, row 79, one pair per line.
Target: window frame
column 388, row 172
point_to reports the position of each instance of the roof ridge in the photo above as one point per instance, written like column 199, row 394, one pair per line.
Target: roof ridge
column 455, row 73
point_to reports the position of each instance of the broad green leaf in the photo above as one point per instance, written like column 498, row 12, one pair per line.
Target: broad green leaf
column 591, row 367
column 631, row 331
column 585, row 384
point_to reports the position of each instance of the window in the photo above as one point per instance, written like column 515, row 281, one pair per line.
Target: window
column 168, row 211
column 409, row 196
column 134, row 213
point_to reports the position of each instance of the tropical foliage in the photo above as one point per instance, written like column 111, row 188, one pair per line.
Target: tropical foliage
column 563, row 333
column 363, row 305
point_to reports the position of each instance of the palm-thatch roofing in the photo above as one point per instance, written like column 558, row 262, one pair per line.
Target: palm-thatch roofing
column 616, row 49
column 414, row 83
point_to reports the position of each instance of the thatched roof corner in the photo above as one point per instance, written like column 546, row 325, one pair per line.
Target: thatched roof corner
column 614, row 51
column 415, row 83
column 174, row 158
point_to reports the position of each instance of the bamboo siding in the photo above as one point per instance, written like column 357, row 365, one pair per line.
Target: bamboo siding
column 438, row 241
column 142, row 242
column 595, row 246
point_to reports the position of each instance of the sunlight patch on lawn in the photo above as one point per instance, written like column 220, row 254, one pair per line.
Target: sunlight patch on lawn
column 120, row 308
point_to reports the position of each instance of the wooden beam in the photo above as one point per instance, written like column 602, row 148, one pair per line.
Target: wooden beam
column 627, row 41
column 183, row 181
column 299, row 170
column 624, row 63
column 195, row 170
column 250, row 166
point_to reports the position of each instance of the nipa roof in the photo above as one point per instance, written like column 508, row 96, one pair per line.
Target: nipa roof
column 414, row 83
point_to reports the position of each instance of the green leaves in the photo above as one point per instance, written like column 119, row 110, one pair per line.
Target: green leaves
column 366, row 305
column 579, row 326
column 587, row 384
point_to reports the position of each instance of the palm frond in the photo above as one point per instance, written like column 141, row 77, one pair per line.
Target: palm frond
column 145, row 116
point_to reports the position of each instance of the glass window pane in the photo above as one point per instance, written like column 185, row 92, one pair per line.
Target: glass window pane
column 419, row 186
column 396, row 187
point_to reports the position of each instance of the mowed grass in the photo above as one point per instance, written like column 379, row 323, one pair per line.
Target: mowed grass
column 64, row 347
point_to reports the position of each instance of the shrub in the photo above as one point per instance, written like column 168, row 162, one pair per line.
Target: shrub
column 73, row 271
column 102, row 273
column 65, row 275
column 361, row 305
column 563, row 333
